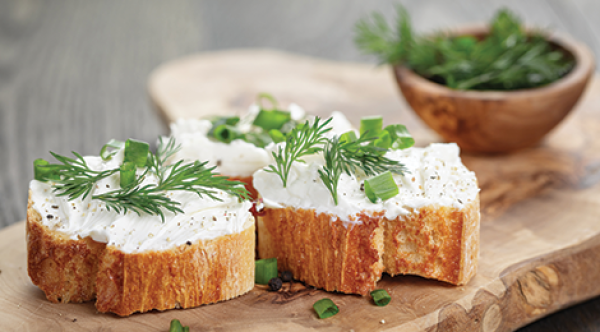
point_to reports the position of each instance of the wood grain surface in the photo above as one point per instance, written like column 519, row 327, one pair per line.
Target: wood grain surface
column 73, row 74
column 540, row 239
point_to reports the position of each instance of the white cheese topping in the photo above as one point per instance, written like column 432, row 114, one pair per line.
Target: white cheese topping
column 203, row 218
column 437, row 177
column 238, row 158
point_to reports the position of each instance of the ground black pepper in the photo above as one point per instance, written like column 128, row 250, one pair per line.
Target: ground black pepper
column 275, row 284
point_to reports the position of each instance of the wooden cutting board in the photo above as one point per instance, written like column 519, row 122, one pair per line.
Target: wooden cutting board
column 540, row 226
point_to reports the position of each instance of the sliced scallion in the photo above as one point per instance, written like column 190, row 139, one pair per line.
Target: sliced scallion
column 226, row 133
column 401, row 138
column 349, row 136
column 381, row 187
column 136, row 152
column 43, row 172
column 381, row 297
column 176, row 326
column 107, row 154
column 371, row 126
column 274, row 119
column 325, row 308
column 127, row 174
column 265, row 270
column 384, row 140
column 262, row 96
column 276, row 136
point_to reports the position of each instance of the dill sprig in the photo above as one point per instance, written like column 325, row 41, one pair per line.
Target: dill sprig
column 151, row 198
column 73, row 178
column 354, row 157
column 303, row 140
column 508, row 58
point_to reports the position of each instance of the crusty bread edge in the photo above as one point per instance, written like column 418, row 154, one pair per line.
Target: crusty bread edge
column 204, row 272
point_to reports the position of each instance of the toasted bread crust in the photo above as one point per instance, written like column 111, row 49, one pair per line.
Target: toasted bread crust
column 324, row 253
column 434, row 242
column 63, row 268
column 204, row 272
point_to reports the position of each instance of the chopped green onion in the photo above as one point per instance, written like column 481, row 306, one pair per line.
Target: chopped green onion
column 127, row 173
column 43, row 172
column 401, row 138
column 384, row 141
column 276, row 136
column 176, row 326
column 136, row 152
column 260, row 139
column 265, row 270
column 381, row 297
column 371, row 126
column 381, row 187
column 105, row 154
column 325, row 308
column 274, row 119
column 226, row 133
column 349, row 136
column 269, row 97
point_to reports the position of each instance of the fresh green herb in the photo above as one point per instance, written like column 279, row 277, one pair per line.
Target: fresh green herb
column 349, row 136
column 226, row 133
column 43, row 173
column 176, row 326
column 150, row 198
column 265, row 270
column 383, row 141
column 273, row 119
column 127, row 174
column 113, row 144
column 136, row 152
column 381, row 187
column 276, row 135
column 381, row 297
column 301, row 141
column 401, row 138
column 325, row 308
column 73, row 178
column 508, row 58
column 371, row 126
column 357, row 157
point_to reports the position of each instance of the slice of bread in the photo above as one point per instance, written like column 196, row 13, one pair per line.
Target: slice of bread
column 186, row 276
column 434, row 242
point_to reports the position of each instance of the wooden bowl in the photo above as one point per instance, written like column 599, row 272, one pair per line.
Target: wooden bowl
column 497, row 121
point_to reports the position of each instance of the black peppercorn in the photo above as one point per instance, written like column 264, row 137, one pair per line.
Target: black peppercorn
column 275, row 284
column 189, row 243
column 286, row 276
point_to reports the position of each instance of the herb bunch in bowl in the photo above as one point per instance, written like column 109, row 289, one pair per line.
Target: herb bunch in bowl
column 508, row 58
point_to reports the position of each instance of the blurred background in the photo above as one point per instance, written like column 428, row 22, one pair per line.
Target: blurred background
column 73, row 74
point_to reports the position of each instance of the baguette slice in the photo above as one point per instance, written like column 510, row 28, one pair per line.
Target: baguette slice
column 433, row 242
column 187, row 276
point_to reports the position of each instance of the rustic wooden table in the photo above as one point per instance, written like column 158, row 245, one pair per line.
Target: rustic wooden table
column 73, row 74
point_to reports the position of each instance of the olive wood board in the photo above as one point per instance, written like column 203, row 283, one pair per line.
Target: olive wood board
column 540, row 215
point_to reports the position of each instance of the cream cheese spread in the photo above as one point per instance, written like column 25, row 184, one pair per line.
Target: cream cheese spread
column 436, row 176
column 238, row 158
column 203, row 218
